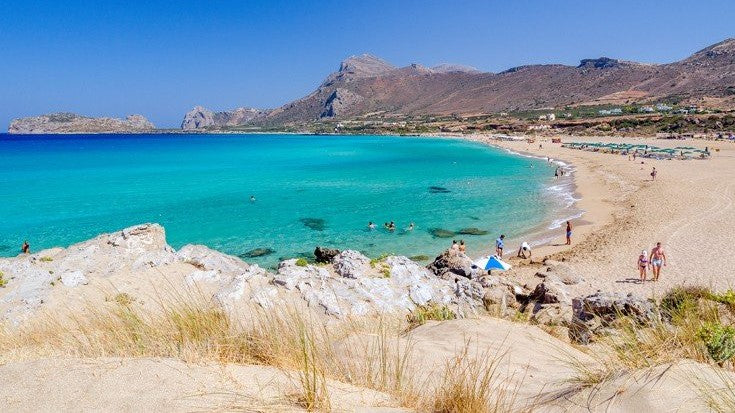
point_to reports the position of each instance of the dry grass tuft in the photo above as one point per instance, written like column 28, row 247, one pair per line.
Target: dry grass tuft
column 473, row 384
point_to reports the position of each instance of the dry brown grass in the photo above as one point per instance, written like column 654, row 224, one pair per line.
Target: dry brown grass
column 473, row 383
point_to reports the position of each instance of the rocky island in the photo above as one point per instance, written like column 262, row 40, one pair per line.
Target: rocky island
column 74, row 123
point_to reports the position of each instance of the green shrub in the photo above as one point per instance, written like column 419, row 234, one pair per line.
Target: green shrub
column 433, row 311
column 46, row 259
column 719, row 340
column 301, row 262
column 3, row 281
column 381, row 258
column 728, row 297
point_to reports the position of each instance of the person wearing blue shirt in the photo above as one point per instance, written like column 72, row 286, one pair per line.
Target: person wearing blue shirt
column 499, row 246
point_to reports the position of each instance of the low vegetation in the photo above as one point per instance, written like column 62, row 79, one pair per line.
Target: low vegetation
column 432, row 311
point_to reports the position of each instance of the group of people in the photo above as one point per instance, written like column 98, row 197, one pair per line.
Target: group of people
column 390, row 226
column 655, row 260
column 459, row 246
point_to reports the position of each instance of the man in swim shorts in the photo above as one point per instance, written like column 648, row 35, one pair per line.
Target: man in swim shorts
column 658, row 260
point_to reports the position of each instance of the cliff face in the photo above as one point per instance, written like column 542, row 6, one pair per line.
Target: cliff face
column 202, row 118
column 366, row 84
column 73, row 123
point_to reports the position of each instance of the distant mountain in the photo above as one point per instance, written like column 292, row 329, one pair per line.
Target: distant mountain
column 202, row 118
column 73, row 123
column 366, row 85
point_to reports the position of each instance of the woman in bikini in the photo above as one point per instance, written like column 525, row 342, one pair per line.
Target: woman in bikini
column 643, row 265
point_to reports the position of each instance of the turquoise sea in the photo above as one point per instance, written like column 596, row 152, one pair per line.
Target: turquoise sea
column 309, row 190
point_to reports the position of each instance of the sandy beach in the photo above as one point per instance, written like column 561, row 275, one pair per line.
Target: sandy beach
column 688, row 208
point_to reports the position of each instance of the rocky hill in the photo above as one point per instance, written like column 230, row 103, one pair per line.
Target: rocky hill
column 73, row 123
column 366, row 85
column 202, row 118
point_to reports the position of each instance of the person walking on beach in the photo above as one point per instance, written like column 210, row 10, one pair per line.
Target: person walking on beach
column 653, row 174
column 569, row 233
column 26, row 247
column 643, row 265
column 658, row 260
column 499, row 245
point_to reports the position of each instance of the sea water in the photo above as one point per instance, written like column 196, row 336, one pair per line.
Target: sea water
column 308, row 191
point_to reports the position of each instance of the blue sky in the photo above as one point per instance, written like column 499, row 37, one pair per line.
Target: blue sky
column 160, row 58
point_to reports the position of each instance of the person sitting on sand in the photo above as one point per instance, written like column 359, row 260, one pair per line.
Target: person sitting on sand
column 499, row 245
column 371, row 226
column 569, row 233
column 26, row 248
column 658, row 260
column 523, row 249
column 462, row 247
column 643, row 265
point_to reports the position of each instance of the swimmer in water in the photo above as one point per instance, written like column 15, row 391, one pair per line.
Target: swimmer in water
column 371, row 226
column 411, row 226
column 252, row 198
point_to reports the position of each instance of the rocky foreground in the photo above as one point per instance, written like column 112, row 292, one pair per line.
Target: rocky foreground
column 73, row 123
column 137, row 269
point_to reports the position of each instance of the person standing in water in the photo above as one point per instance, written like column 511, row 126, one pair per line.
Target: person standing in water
column 658, row 260
column 643, row 266
column 569, row 233
column 26, row 248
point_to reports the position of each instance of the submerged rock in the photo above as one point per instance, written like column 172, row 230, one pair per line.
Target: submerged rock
column 441, row 233
column 419, row 258
column 257, row 252
column 316, row 224
column 472, row 231
column 438, row 190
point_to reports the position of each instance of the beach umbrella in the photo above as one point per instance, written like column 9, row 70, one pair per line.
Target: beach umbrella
column 495, row 263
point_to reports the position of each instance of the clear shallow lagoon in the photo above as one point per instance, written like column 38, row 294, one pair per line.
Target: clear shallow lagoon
column 310, row 190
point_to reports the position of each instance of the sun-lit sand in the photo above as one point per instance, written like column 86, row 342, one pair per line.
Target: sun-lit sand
column 689, row 208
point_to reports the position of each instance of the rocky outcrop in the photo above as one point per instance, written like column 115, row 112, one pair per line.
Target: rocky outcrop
column 452, row 263
column 73, row 123
column 202, row 118
column 140, row 256
column 339, row 103
column 593, row 313
column 325, row 255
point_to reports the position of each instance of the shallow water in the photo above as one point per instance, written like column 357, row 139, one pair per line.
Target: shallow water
column 309, row 191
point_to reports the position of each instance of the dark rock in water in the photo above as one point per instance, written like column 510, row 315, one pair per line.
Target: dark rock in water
column 438, row 190
column 452, row 263
column 324, row 255
column 473, row 218
column 472, row 231
column 4, row 247
column 317, row 224
column 307, row 255
column 441, row 233
column 258, row 252
column 420, row 258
